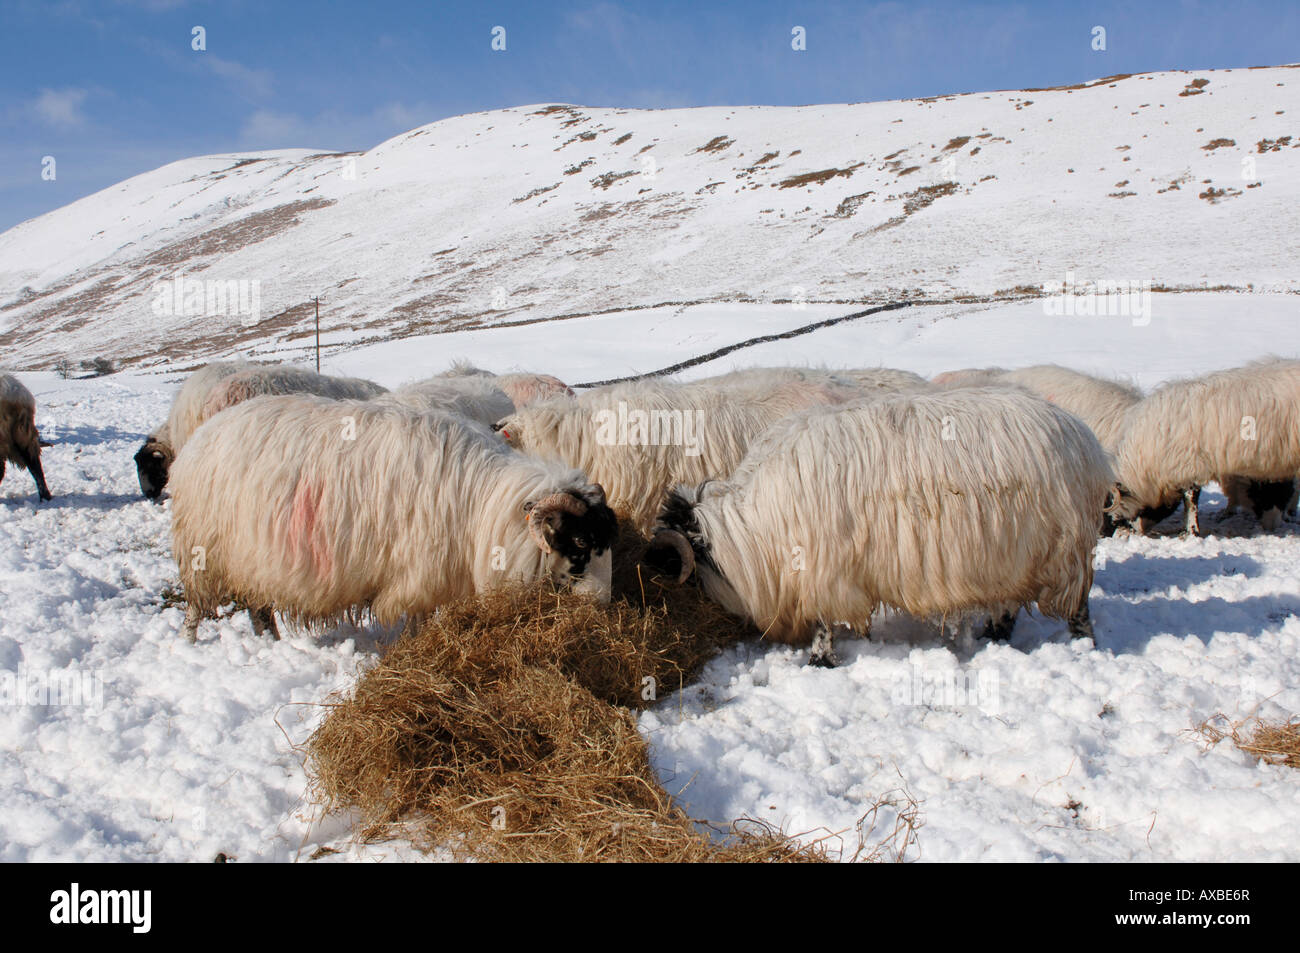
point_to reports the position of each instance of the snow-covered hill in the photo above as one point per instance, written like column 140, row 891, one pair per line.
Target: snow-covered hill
column 1185, row 179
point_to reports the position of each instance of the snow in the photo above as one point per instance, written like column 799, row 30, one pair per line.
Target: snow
column 192, row 750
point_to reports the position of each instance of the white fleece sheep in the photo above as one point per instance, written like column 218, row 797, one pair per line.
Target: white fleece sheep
column 523, row 387
column 277, row 379
column 968, row 377
column 639, row 439
column 343, row 506
column 1241, row 423
column 476, row 397
column 19, row 441
column 936, row 504
column 153, row 460
column 223, row 384
column 869, row 379
column 1099, row 402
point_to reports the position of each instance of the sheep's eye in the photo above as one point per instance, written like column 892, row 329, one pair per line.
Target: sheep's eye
column 580, row 542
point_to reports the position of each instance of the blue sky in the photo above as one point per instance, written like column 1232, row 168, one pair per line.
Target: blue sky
column 113, row 88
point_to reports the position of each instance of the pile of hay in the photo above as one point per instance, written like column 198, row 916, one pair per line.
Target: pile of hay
column 1277, row 743
column 502, row 728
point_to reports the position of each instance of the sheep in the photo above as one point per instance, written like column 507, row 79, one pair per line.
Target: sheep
column 283, row 379
column 223, row 384
column 883, row 379
column 368, row 506
column 523, row 387
column 528, row 388
column 19, row 441
column 967, row 377
column 475, row 397
column 1099, row 402
column 153, row 460
column 935, row 504
column 639, row 439
column 1228, row 426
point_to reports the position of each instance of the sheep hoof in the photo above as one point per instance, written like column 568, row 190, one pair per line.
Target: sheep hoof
column 191, row 627
column 264, row 623
column 1081, row 625
column 823, row 650
column 999, row 629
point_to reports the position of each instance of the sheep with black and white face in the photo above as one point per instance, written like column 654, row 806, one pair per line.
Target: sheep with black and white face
column 339, row 507
column 936, row 504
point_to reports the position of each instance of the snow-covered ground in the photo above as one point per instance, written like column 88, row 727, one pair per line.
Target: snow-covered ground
column 1039, row 749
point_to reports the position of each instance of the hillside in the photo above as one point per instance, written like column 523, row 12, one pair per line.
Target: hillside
column 542, row 212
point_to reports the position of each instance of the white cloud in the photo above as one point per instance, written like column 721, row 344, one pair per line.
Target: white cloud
column 60, row 108
column 267, row 129
column 255, row 82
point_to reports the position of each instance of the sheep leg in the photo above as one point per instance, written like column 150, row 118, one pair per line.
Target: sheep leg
column 1191, row 497
column 823, row 653
column 191, row 627
column 999, row 628
column 32, row 461
column 264, row 622
column 1081, row 624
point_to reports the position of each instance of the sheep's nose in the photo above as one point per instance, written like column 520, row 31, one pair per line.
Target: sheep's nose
column 597, row 581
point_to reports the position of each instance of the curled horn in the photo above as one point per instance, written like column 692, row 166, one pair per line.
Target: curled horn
column 539, row 512
column 670, row 537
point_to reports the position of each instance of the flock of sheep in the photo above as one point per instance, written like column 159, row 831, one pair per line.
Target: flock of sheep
column 803, row 499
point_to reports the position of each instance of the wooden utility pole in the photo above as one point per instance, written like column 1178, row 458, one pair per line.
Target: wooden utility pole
column 317, row 300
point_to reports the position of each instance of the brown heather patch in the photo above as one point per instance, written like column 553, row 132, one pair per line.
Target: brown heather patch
column 623, row 138
column 233, row 236
column 587, row 136
column 1195, row 87
column 927, row 195
column 913, row 202
column 849, row 205
column 1272, row 145
column 1104, row 81
column 1215, row 196
column 1218, row 144
column 956, row 143
column 817, row 178
column 609, row 178
column 763, row 160
column 908, row 171
column 716, row 144
column 538, row 191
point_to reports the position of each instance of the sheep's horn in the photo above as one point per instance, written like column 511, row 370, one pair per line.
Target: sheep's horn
column 539, row 512
column 670, row 537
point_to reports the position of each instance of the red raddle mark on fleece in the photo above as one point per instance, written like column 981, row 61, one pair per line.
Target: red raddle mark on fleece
column 306, row 533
